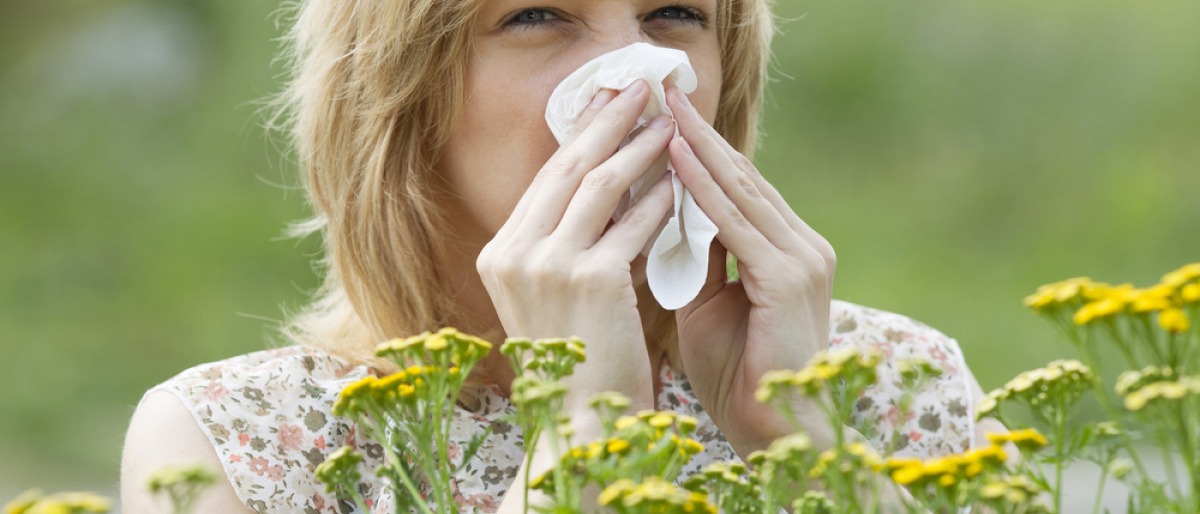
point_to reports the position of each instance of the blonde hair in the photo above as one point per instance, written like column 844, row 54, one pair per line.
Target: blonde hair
column 375, row 90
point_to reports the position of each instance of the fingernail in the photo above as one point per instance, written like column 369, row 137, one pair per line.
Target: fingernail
column 660, row 122
column 634, row 89
column 682, row 97
column 686, row 147
column 602, row 98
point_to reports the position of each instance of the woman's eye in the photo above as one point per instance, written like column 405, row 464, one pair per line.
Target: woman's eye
column 681, row 13
column 531, row 17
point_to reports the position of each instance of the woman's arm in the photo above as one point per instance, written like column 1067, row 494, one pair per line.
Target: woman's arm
column 162, row 433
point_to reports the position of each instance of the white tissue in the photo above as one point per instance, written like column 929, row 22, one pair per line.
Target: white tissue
column 677, row 262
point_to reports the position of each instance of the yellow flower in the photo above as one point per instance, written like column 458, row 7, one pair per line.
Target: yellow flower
column 1153, row 299
column 993, row 490
column 625, row 422
column 989, row 403
column 662, row 420
column 1026, row 438
column 350, row 399
column 609, row 400
column 691, row 446
column 1056, row 293
column 539, row 480
column 1190, row 293
column 686, row 424
column 617, row 445
column 1183, row 275
column 993, row 454
column 186, row 474
column 826, row 371
column 1166, row 389
column 21, row 503
column 1173, row 320
column 1135, row 401
column 1015, row 496
column 33, row 502
column 1098, row 309
column 1129, row 381
column 908, row 474
column 615, row 491
column 436, row 343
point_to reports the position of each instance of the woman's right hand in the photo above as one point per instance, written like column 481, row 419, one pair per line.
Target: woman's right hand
column 557, row 269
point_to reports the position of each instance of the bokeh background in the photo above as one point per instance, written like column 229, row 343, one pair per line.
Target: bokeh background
column 957, row 154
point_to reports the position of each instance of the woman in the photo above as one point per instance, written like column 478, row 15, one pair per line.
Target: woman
column 444, row 200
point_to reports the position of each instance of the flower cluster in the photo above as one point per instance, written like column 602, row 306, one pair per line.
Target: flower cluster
column 650, row 444
column 35, row 502
column 402, row 389
column 813, row 502
column 948, row 472
column 1058, row 294
column 340, row 469
column 729, row 485
column 1137, row 399
column 1130, row 381
column 410, row 412
column 823, row 370
column 1025, row 439
column 1014, row 490
column 654, row 495
column 1096, row 301
column 182, row 484
column 550, row 359
column 446, row 347
column 1151, row 329
column 1057, row 386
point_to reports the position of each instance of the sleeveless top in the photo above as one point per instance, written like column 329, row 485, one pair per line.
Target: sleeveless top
column 267, row 414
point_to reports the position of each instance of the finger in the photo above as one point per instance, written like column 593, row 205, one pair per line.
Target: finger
column 542, row 207
column 603, row 187
column 772, row 195
column 738, row 186
column 734, row 230
column 628, row 235
column 602, row 98
column 810, row 236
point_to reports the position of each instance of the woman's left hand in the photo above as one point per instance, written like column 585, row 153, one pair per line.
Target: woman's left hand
column 777, row 315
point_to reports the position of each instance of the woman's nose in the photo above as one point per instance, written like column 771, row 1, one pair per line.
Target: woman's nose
column 616, row 29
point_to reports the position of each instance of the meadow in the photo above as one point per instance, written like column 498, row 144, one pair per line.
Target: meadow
column 956, row 154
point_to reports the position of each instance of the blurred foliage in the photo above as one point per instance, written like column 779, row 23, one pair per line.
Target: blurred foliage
column 957, row 155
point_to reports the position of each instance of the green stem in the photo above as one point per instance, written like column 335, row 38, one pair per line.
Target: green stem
column 381, row 435
column 1188, row 421
column 1060, row 425
column 1100, row 490
column 406, row 481
column 1164, row 447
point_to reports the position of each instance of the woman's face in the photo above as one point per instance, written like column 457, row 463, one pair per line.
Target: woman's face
column 523, row 49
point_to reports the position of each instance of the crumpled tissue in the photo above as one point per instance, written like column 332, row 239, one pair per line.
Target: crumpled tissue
column 677, row 261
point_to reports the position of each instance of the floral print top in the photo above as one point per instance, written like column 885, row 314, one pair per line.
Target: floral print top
column 267, row 414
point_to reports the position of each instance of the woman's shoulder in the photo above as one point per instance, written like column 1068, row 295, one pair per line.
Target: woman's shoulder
column 937, row 418
column 267, row 416
column 895, row 335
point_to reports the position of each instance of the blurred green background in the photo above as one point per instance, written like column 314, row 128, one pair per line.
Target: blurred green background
column 957, row 154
